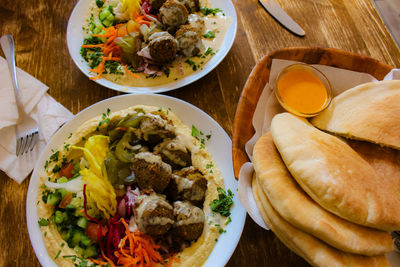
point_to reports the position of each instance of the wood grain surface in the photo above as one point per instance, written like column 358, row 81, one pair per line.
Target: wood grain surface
column 39, row 29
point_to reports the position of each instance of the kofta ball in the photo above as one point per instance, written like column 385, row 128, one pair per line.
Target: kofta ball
column 189, row 41
column 156, row 4
column 187, row 184
column 173, row 14
column 197, row 23
column 191, row 5
column 154, row 128
column 151, row 172
column 153, row 215
column 174, row 152
column 162, row 47
column 189, row 221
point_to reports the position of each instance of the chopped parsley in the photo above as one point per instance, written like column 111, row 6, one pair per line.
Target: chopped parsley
column 66, row 147
column 199, row 135
column 43, row 222
column 208, row 136
column 195, row 132
column 86, row 52
column 209, row 51
column 167, row 72
column 228, row 221
column 154, row 75
column 69, row 136
column 209, row 35
column 220, row 229
column 99, row 3
column 112, row 67
column 46, row 164
column 58, row 254
column 192, row 64
column 223, row 204
column 207, row 11
column 209, row 166
column 105, row 118
column 56, row 169
column 54, row 156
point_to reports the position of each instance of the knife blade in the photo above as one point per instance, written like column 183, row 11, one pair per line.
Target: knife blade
column 282, row 17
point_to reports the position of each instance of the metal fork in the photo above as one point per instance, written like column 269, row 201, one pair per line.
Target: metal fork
column 27, row 130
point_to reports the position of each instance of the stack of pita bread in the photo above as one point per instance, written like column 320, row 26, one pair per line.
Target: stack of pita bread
column 333, row 201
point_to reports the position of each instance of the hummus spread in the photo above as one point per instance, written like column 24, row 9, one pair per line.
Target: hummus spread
column 198, row 251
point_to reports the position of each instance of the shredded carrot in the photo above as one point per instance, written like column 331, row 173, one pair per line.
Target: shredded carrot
column 130, row 72
column 172, row 258
column 142, row 21
column 99, row 262
column 48, row 205
column 107, row 259
column 92, row 46
column 139, row 251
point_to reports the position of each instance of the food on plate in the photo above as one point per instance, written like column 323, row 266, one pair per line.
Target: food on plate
column 328, row 169
column 297, row 208
column 314, row 251
column 132, row 187
column 303, row 90
column 369, row 112
column 146, row 43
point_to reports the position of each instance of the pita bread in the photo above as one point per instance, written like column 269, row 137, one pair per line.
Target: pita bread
column 295, row 206
column 308, row 247
column 334, row 175
column 368, row 112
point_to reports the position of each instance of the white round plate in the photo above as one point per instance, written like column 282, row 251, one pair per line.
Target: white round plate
column 75, row 36
column 219, row 145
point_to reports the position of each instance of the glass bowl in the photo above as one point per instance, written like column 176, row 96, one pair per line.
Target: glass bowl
column 316, row 73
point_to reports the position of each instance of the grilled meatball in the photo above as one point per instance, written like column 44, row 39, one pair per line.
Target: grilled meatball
column 153, row 214
column 174, row 152
column 154, row 128
column 187, row 184
column 173, row 14
column 156, row 4
column 191, row 5
column 151, row 172
column 189, row 41
column 189, row 221
column 162, row 47
column 197, row 22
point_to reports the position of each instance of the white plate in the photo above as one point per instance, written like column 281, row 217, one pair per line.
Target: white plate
column 75, row 36
column 219, row 145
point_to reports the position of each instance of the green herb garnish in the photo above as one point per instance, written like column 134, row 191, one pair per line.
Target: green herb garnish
column 223, row 204
column 207, row 11
column 43, row 222
column 191, row 63
column 105, row 118
column 209, row 51
column 99, row 3
column 54, row 156
column 56, row 169
column 167, row 72
column 195, row 132
column 209, row 34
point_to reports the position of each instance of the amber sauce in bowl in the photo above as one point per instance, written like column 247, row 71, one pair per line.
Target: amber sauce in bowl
column 303, row 90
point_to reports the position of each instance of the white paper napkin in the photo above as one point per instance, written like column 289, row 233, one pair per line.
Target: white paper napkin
column 48, row 113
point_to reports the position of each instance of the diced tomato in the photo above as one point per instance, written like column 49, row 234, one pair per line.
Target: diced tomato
column 92, row 231
column 66, row 170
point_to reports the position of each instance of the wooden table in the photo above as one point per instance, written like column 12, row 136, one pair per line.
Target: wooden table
column 39, row 28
